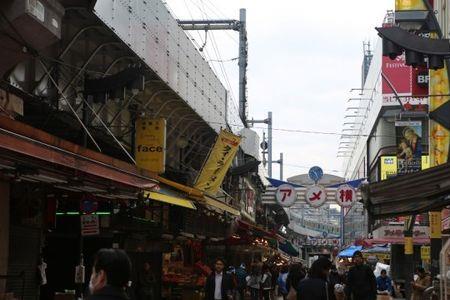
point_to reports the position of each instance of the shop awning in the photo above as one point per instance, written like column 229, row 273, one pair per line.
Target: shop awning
column 220, row 205
column 169, row 199
column 410, row 194
column 26, row 141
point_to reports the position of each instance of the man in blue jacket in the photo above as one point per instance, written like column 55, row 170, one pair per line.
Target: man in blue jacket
column 384, row 283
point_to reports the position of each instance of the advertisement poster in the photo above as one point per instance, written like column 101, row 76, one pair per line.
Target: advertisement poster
column 248, row 200
column 409, row 146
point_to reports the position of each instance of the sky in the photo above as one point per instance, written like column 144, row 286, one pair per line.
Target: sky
column 304, row 57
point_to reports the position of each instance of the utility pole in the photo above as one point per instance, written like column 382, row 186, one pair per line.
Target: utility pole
column 235, row 25
column 243, row 61
column 267, row 121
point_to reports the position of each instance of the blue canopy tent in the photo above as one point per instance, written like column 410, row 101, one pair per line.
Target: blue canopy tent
column 349, row 251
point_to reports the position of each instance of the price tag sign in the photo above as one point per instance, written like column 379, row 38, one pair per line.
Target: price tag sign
column 89, row 225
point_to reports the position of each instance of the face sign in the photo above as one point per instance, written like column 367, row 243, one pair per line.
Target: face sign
column 219, row 266
column 98, row 281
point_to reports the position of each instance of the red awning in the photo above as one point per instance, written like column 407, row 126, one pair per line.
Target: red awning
column 27, row 141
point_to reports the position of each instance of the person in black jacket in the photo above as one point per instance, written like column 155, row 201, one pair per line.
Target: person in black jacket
column 219, row 285
column 361, row 282
column 110, row 275
column 315, row 286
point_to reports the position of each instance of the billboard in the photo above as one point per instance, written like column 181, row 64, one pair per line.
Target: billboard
column 150, row 149
column 388, row 166
column 410, row 84
column 409, row 146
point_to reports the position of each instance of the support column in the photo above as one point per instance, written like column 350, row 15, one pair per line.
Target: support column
column 4, row 231
column 409, row 254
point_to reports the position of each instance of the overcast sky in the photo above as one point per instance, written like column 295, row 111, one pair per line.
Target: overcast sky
column 304, row 57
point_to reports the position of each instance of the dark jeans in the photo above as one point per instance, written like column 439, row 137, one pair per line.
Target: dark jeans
column 254, row 294
column 266, row 294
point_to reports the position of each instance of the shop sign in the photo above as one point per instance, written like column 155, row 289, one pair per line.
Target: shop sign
column 150, row 146
column 409, row 146
column 389, row 164
column 89, row 225
column 409, row 245
column 316, row 195
column 286, row 195
column 218, row 162
column 345, row 195
column 425, row 253
column 323, row 242
column 248, row 199
column 435, row 224
column 393, row 231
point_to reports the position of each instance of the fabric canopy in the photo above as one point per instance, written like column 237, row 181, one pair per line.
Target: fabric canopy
column 348, row 252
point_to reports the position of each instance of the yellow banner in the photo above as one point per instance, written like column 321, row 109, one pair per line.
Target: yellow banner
column 439, row 136
column 435, row 224
column 425, row 252
column 218, row 162
column 409, row 246
column 409, row 5
column 150, row 147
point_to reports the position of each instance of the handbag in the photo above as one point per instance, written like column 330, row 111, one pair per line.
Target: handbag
column 292, row 295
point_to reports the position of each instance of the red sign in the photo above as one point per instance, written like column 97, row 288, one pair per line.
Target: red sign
column 411, row 84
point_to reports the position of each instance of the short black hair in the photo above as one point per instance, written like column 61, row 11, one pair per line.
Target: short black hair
column 420, row 270
column 219, row 259
column 357, row 253
column 320, row 265
column 116, row 264
column 383, row 271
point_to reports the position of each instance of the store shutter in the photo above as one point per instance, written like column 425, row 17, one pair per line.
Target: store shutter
column 23, row 257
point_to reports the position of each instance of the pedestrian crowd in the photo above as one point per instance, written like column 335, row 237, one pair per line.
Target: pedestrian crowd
column 322, row 281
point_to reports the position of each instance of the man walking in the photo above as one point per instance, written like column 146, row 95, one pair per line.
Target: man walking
column 218, row 284
column 361, row 282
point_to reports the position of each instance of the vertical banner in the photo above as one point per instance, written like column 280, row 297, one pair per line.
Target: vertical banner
column 218, row 162
column 409, row 146
column 150, row 148
column 435, row 224
column 410, row 5
column 439, row 136
column 409, row 245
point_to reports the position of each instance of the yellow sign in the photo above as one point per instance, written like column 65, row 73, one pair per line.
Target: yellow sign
column 388, row 166
column 218, row 162
column 425, row 253
column 439, row 136
column 435, row 224
column 409, row 247
column 150, row 147
column 409, row 5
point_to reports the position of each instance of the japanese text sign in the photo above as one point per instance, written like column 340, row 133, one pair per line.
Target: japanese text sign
column 316, row 196
column 286, row 195
column 345, row 195
column 151, row 144
column 218, row 162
